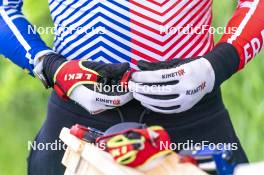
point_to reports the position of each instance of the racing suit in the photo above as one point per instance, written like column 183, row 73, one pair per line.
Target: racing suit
column 127, row 31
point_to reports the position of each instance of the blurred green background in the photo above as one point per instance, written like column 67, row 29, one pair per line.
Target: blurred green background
column 23, row 100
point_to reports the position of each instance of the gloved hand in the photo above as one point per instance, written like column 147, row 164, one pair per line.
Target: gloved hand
column 137, row 147
column 94, row 86
column 177, row 85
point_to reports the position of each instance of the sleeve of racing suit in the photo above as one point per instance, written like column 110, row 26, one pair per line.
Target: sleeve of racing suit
column 18, row 42
column 248, row 36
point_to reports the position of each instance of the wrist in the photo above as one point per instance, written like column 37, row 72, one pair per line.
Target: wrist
column 38, row 67
column 51, row 63
column 225, row 62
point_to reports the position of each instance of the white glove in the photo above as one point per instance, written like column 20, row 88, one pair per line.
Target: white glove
column 96, row 102
column 174, row 86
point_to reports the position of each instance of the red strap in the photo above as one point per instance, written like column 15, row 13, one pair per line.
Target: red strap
column 78, row 131
column 188, row 159
column 126, row 77
column 60, row 92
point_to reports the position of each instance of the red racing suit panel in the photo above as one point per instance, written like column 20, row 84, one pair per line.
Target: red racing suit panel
column 248, row 38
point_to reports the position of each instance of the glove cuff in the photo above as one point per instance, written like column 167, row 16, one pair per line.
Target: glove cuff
column 51, row 63
column 224, row 60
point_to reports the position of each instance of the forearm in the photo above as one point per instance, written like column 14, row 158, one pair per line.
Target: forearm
column 236, row 49
column 19, row 44
column 248, row 39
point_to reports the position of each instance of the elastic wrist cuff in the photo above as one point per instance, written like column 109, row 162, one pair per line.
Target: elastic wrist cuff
column 40, row 54
column 51, row 63
column 224, row 60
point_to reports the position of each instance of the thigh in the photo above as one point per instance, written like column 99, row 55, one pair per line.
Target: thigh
column 209, row 128
column 47, row 161
column 217, row 129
